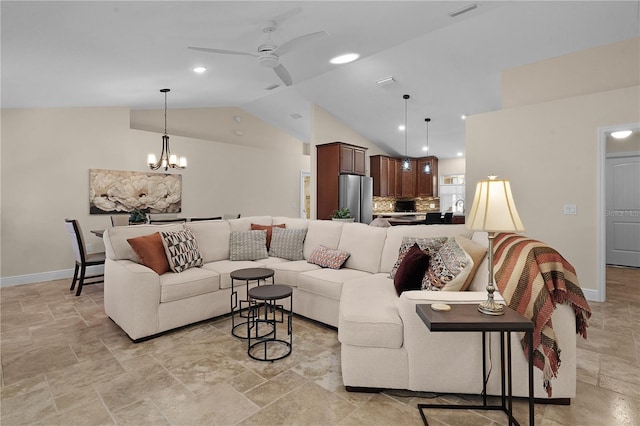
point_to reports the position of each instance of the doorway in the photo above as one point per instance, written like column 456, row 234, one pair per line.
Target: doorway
column 305, row 195
column 619, row 200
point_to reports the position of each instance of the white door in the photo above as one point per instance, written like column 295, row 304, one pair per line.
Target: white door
column 623, row 211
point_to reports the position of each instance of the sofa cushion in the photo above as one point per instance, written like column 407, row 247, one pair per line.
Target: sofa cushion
column 288, row 243
column 182, row 250
column 328, row 282
column 192, row 282
column 115, row 239
column 248, row 245
column 288, row 273
column 212, row 237
column 225, row 267
column 369, row 314
column 291, row 222
column 365, row 244
column 396, row 233
column 449, row 268
column 322, row 233
column 477, row 252
column 150, row 251
column 411, row 270
column 481, row 278
column 268, row 228
column 327, row 258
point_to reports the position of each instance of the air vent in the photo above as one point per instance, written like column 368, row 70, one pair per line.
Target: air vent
column 273, row 86
column 385, row 81
column 295, row 116
column 463, row 10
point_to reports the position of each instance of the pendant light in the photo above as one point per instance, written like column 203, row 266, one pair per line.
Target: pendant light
column 427, row 165
column 406, row 163
column 167, row 159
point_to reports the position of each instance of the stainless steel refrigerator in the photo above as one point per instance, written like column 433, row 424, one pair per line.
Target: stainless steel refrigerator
column 356, row 194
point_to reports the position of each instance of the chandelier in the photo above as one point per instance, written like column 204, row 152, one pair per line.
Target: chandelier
column 167, row 159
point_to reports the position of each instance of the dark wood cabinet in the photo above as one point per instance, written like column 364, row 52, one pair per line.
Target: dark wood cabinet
column 332, row 160
column 389, row 180
column 408, row 180
column 427, row 183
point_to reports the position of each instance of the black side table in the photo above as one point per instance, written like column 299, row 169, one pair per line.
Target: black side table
column 466, row 317
column 247, row 275
column 266, row 299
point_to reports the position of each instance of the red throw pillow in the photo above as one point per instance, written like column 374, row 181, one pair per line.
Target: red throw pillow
column 151, row 252
column 268, row 228
column 411, row 270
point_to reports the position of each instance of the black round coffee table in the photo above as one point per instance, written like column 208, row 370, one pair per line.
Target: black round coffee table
column 264, row 305
column 247, row 275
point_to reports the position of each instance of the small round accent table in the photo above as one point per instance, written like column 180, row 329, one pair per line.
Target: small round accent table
column 247, row 275
column 264, row 304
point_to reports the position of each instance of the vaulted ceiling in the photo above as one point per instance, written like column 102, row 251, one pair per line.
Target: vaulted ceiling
column 116, row 53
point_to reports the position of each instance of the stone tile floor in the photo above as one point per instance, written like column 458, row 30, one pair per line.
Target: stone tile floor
column 64, row 362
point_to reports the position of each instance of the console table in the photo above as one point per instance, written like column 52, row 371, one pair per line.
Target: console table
column 467, row 318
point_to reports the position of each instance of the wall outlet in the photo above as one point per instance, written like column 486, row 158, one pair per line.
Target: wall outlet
column 432, row 206
column 375, row 206
column 89, row 247
column 570, row 209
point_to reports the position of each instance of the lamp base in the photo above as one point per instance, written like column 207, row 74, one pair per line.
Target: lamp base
column 490, row 307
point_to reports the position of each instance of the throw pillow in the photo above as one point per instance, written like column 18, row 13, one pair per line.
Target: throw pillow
column 150, row 252
column 449, row 268
column 477, row 253
column 181, row 249
column 328, row 258
column 268, row 228
column 411, row 270
column 288, row 243
column 429, row 245
column 248, row 245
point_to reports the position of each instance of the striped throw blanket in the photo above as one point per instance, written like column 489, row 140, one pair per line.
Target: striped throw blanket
column 532, row 277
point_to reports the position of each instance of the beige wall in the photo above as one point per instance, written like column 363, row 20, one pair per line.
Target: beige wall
column 452, row 166
column 550, row 151
column 594, row 70
column 326, row 128
column 46, row 157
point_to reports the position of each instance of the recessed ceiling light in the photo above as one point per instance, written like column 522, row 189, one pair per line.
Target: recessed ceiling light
column 425, row 148
column 199, row 70
column 463, row 117
column 344, row 59
column 401, row 127
column 459, row 154
column 621, row 134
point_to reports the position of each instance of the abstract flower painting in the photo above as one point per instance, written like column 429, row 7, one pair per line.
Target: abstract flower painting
column 114, row 191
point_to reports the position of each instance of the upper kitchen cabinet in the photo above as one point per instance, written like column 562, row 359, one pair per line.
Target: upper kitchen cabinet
column 408, row 180
column 427, row 185
column 351, row 158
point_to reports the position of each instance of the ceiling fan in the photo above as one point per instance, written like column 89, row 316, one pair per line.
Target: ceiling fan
column 269, row 53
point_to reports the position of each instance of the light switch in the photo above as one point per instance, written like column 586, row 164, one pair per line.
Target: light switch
column 570, row 209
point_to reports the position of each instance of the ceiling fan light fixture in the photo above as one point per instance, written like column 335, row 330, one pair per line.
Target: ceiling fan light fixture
column 344, row 59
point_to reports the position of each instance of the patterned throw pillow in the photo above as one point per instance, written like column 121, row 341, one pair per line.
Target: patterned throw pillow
column 248, row 245
column 327, row 258
column 448, row 269
column 429, row 245
column 181, row 249
column 411, row 270
column 287, row 243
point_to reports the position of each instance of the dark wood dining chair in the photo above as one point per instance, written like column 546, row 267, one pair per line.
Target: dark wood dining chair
column 83, row 259
column 165, row 221
column 197, row 219
column 433, row 218
column 448, row 216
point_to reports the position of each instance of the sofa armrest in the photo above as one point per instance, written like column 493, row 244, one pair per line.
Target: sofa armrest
column 132, row 297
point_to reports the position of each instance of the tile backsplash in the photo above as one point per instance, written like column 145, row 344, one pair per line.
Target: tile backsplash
column 423, row 204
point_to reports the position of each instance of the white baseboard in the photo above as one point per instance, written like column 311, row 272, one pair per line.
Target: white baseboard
column 46, row 276
column 592, row 295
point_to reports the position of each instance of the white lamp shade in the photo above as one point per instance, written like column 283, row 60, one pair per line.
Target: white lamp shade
column 493, row 208
column 151, row 159
column 183, row 161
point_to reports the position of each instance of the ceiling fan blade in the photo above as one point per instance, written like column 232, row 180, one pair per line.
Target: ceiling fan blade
column 226, row 52
column 284, row 75
column 294, row 43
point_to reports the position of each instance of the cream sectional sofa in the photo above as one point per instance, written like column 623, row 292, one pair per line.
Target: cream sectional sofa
column 384, row 344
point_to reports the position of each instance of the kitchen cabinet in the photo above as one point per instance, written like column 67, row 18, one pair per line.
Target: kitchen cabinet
column 332, row 160
column 427, row 183
column 408, row 180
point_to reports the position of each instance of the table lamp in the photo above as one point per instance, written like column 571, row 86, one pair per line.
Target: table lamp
column 493, row 211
